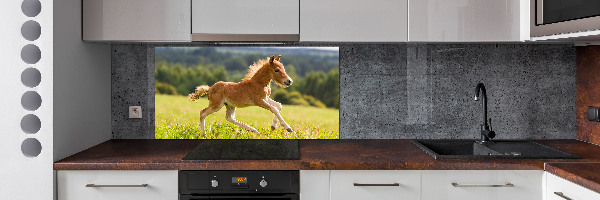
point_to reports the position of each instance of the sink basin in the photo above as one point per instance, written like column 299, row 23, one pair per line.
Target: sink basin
column 494, row 149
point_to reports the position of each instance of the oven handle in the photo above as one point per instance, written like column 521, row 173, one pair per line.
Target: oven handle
column 250, row 197
column 192, row 197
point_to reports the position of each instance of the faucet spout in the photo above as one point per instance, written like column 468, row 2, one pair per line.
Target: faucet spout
column 486, row 133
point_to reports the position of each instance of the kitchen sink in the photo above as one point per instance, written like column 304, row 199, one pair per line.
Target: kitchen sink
column 491, row 149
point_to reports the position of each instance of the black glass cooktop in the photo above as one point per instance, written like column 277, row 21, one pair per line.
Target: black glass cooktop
column 245, row 150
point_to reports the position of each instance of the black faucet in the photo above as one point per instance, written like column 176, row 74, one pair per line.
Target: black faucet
column 486, row 130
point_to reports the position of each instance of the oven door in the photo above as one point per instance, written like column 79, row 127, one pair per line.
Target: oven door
column 237, row 197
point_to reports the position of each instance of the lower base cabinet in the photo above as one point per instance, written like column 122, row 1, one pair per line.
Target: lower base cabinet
column 117, row 185
column 314, row 185
column 379, row 185
column 340, row 185
column 560, row 189
column 421, row 185
column 482, row 184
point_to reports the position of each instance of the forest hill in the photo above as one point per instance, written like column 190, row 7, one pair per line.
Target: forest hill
column 314, row 88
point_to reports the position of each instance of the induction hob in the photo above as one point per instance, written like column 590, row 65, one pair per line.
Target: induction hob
column 248, row 149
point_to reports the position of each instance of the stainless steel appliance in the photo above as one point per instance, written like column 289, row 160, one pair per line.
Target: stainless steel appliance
column 234, row 185
column 554, row 17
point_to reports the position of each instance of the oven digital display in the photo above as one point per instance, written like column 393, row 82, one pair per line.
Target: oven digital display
column 239, row 180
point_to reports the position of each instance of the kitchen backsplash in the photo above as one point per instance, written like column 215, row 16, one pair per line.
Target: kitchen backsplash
column 408, row 90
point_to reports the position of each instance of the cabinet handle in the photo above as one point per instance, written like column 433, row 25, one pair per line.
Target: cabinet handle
column 505, row 185
column 560, row 194
column 384, row 184
column 94, row 185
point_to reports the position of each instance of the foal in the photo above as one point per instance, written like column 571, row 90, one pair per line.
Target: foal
column 254, row 90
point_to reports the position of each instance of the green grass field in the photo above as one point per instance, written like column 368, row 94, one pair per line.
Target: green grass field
column 177, row 118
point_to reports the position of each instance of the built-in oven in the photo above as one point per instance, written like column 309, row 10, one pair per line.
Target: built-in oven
column 553, row 17
column 235, row 185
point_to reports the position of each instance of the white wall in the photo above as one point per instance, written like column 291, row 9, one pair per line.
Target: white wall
column 74, row 88
column 82, row 84
column 24, row 177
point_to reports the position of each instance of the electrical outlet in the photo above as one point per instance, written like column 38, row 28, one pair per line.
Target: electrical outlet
column 135, row 112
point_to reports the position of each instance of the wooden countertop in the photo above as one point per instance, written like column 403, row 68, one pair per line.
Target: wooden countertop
column 332, row 155
column 581, row 173
column 314, row 155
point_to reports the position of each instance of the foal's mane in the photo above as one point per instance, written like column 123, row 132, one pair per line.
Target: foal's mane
column 254, row 68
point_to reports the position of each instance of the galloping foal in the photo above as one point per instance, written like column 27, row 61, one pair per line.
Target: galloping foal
column 254, row 90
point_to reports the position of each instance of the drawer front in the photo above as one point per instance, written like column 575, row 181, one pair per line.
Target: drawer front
column 566, row 189
column 408, row 184
column 162, row 185
column 482, row 184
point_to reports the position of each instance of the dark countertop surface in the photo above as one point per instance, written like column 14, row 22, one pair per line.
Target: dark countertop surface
column 581, row 173
column 374, row 154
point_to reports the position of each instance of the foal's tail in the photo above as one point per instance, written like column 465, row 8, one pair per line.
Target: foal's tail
column 200, row 91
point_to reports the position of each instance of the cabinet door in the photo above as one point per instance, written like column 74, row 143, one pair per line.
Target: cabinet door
column 314, row 184
column 117, row 185
column 561, row 189
column 354, row 20
column 482, row 184
column 219, row 19
column 371, row 185
column 136, row 20
column 468, row 20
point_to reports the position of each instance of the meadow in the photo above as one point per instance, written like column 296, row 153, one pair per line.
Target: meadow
column 177, row 118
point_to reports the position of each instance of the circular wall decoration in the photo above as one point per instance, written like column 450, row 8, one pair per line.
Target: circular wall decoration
column 31, row 124
column 31, row 30
column 31, row 77
column 31, row 147
column 31, row 54
column 31, row 8
column 31, row 100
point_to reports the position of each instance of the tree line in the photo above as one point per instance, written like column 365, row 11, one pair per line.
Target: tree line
column 316, row 87
column 237, row 59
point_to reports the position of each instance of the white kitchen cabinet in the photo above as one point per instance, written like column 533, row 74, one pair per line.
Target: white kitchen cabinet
column 468, row 20
column 377, row 184
column 354, row 20
column 243, row 20
column 136, row 20
column 314, row 184
column 482, row 184
column 117, row 184
column 561, row 189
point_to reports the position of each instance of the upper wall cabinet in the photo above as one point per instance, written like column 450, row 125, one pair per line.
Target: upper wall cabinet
column 468, row 20
column 244, row 20
column 353, row 20
column 136, row 20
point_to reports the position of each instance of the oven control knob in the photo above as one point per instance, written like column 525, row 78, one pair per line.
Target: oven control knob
column 263, row 183
column 214, row 183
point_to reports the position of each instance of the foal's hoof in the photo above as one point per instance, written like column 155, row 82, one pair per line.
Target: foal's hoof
column 272, row 128
column 289, row 129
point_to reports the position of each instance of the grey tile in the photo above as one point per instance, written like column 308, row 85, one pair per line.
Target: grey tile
column 371, row 59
